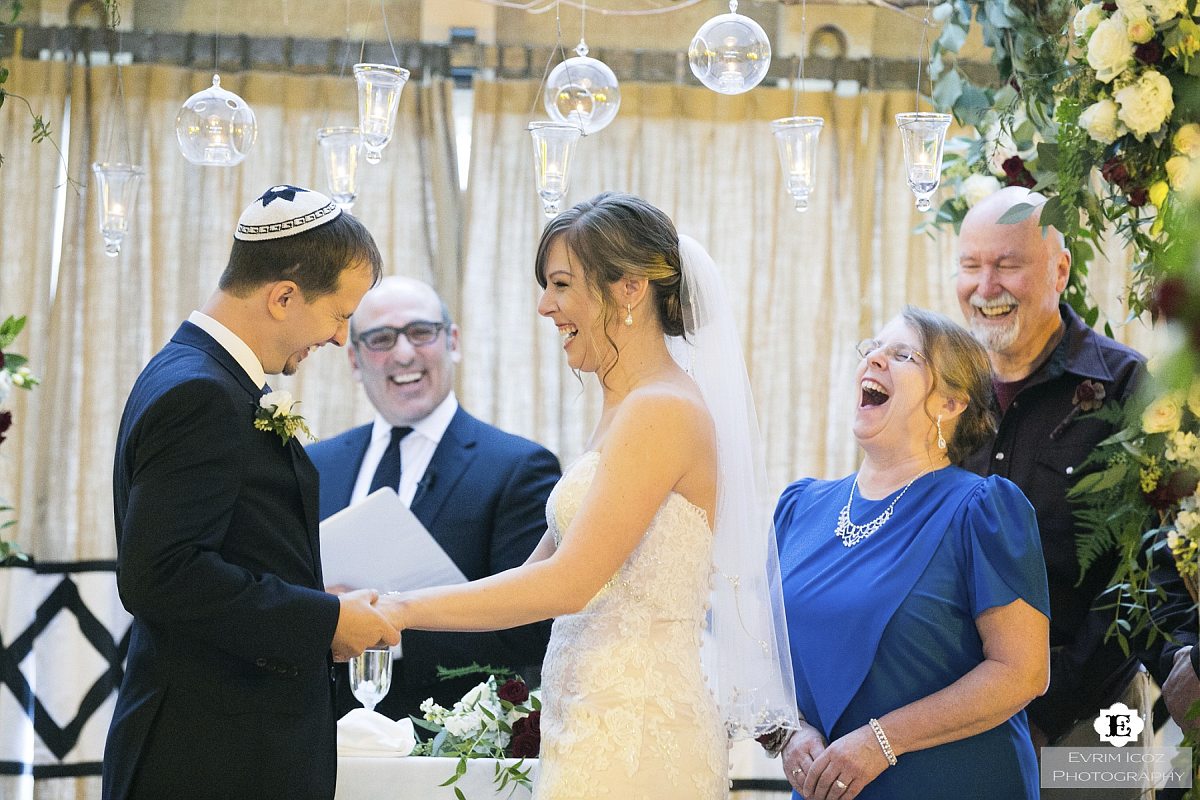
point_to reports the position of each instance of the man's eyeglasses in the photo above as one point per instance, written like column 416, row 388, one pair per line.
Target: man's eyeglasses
column 900, row 353
column 383, row 338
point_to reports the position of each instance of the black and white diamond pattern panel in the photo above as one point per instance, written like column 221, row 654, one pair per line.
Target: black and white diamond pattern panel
column 63, row 640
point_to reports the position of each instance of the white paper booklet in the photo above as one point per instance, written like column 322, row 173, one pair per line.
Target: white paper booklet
column 379, row 543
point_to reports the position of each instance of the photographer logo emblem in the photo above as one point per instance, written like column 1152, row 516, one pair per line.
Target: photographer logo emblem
column 1119, row 725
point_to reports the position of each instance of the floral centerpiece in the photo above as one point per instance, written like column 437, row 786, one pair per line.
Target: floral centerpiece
column 14, row 374
column 493, row 720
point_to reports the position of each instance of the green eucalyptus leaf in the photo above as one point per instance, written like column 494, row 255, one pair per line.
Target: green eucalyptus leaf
column 1018, row 213
column 947, row 90
column 953, row 37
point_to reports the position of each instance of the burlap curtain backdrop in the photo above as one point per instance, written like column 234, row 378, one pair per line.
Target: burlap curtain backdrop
column 806, row 287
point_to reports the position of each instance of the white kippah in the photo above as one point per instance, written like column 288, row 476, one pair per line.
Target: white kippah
column 284, row 211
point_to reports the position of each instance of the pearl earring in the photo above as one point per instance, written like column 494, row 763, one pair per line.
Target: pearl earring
column 941, row 440
column 628, row 314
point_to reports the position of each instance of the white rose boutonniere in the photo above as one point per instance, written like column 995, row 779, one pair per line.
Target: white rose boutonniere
column 275, row 413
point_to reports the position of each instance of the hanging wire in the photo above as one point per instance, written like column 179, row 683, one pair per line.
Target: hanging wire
column 558, row 48
column 803, row 46
column 117, row 102
column 922, row 54
column 387, row 30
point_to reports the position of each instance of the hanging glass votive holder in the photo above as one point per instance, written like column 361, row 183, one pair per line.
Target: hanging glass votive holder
column 797, row 140
column 553, row 145
column 379, row 87
column 117, row 186
column 924, row 135
column 583, row 92
column 731, row 53
column 340, row 150
column 215, row 127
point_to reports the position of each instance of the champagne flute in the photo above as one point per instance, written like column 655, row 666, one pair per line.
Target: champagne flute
column 371, row 676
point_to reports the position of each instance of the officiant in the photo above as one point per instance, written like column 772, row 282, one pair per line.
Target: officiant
column 479, row 491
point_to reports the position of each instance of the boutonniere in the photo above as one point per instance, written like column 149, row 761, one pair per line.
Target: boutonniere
column 274, row 413
column 1089, row 396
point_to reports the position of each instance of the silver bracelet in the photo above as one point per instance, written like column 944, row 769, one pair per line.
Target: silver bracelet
column 884, row 744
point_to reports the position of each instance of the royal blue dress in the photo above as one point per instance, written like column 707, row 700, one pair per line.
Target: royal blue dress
column 891, row 620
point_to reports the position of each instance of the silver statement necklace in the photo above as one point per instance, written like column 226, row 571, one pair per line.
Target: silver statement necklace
column 852, row 534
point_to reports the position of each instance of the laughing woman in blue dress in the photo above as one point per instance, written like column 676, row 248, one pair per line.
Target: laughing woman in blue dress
column 915, row 591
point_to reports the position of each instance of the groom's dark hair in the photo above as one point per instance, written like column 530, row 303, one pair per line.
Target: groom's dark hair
column 314, row 259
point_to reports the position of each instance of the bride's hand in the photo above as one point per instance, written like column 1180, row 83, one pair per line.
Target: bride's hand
column 800, row 752
column 392, row 606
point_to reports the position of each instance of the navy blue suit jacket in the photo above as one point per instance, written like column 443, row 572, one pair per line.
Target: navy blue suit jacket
column 227, row 688
column 483, row 498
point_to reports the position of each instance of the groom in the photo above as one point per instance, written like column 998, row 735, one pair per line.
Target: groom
column 227, row 689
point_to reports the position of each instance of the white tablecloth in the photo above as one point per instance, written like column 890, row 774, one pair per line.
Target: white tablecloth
column 417, row 778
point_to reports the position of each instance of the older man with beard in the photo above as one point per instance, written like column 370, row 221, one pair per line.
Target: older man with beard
column 1050, row 369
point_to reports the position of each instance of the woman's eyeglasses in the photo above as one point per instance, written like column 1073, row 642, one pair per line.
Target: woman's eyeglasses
column 383, row 338
column 900, row 353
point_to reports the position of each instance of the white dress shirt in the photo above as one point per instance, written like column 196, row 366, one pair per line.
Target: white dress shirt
column 233, row 345
column 416, row 450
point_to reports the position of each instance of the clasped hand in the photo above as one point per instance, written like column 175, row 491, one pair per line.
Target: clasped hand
column 361, row 624
column 838, row 771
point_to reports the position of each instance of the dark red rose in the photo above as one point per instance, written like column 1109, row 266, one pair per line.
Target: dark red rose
column 1139, row 197
column 1115, row 172
column 514, row 691
column 1016, row 174
column 1, row 359
column 5, row 423
column 1089, row 395
column 1150, row 52
column 1013, row 83
column 526, row 736
column 1175, row 487
column 1109, row 7
column 1169, row 299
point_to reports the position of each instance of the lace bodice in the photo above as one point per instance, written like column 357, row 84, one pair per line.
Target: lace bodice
column 627, row 712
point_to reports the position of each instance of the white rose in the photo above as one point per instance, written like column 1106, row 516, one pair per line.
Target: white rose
column 1187, row 140
column 1146, row 103
column 5, row 385
column 1179, row 171
column 1163, row 415
column 1109, row 50
column 281, row 400
column 1164, row 10
column 977, row 187
column 463, row 725
column 1086, row 20
column 1101, row 122
column 1139, row 29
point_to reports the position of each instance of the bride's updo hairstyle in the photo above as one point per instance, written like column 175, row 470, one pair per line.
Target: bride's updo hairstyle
column 615, row 236
column 959, row 366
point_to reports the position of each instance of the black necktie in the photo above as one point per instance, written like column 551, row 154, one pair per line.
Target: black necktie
column 388, row 471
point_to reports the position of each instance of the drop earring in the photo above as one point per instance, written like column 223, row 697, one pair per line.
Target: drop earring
column 628, row 314
column 941, row 440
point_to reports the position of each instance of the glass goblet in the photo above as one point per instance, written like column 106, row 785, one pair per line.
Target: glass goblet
column 371, row 676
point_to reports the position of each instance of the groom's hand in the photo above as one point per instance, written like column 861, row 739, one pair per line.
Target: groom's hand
column 361, row 625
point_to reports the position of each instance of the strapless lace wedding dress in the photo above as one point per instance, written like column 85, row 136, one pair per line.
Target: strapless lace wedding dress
column 626, row 712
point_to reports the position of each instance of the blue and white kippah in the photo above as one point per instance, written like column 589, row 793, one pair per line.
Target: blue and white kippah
column 284, row 211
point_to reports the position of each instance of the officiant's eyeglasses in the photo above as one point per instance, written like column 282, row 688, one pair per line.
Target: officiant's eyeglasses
column 900, row 353
column 383, row 338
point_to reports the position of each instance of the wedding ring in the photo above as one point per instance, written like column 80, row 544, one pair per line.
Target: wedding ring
column 797, row 771
column 839, row 784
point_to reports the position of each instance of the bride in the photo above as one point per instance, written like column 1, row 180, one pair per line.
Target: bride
column 632, row 566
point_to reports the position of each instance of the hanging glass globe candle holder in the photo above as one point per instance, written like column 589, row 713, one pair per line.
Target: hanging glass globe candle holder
column 340, row 150
column 379, row 87
column 553, row 145
column 797, row 140
column 215, row 127
column 583, row 92
column 117, row 186
column 924, row 135
column 730, row 53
